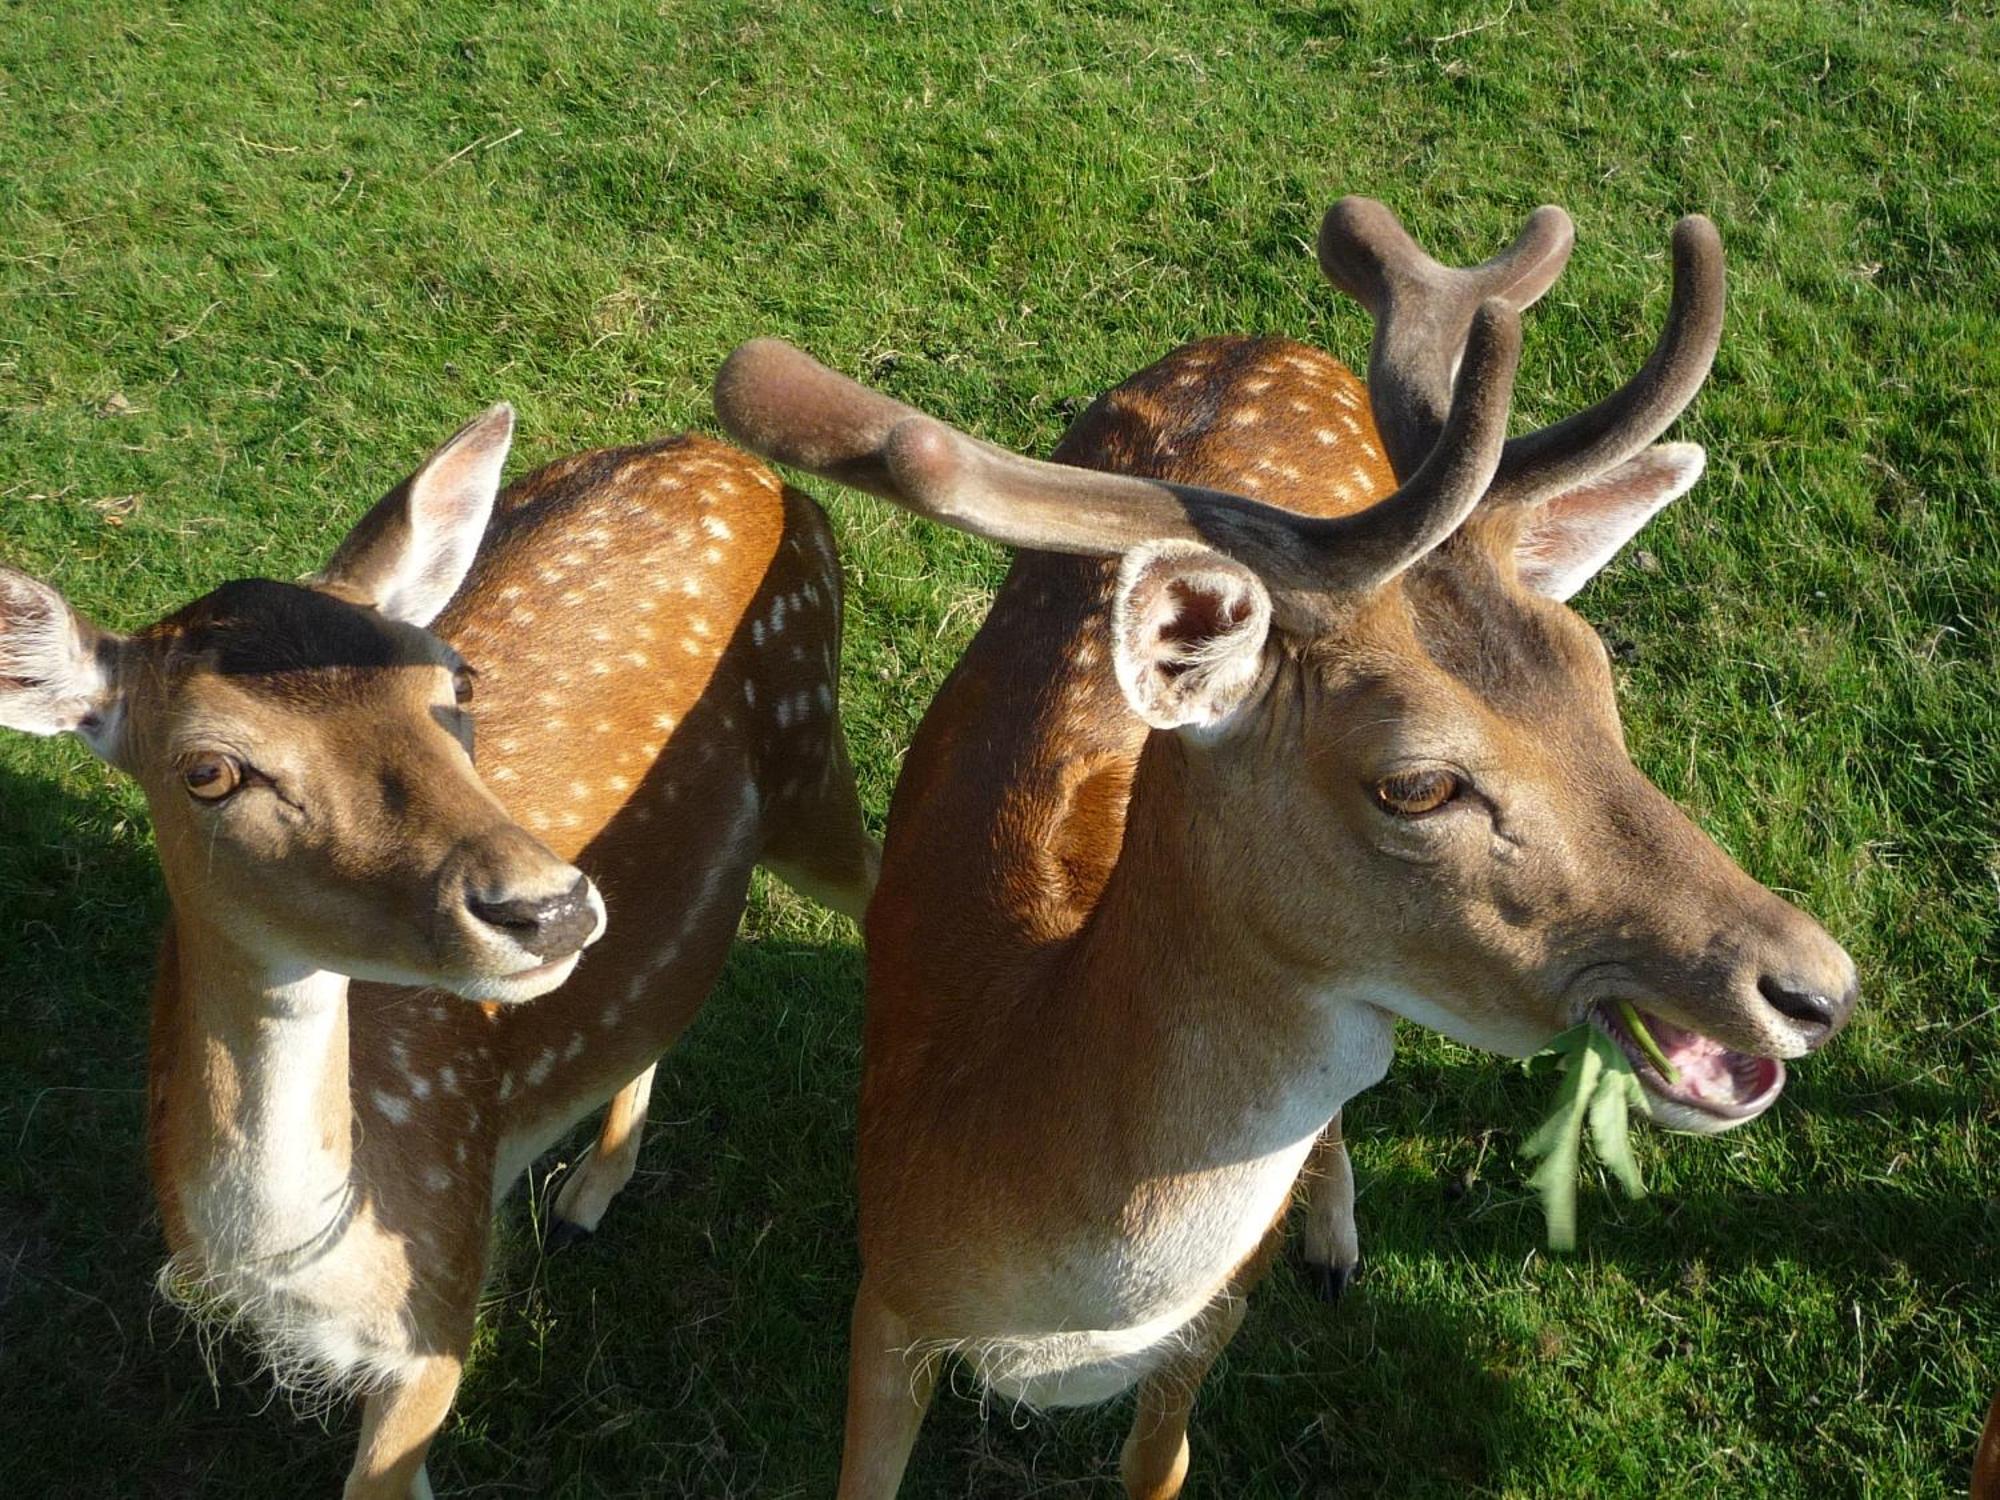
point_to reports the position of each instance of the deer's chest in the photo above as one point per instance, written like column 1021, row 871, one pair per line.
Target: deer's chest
column 1107, row 1301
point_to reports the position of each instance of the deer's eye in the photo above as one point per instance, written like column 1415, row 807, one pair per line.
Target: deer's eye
column 1412, row 794
column 211, row 776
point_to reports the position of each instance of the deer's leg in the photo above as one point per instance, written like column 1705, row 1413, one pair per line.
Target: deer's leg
column 1986, row 1462
column 1329, row 1246
column 1154, row 1461
column 888, row 1393
column 397, row 1425
column 602, row 1175
column 818, row 844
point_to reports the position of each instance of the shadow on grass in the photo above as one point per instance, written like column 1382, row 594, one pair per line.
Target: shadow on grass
column 104, row 1392
column 700, row 1338
column 1850, row 1230
column 697, row 1346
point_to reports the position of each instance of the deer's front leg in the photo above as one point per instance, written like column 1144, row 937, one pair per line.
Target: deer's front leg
column 1329, row 1246
column 397, row 1425
column 602, row 1175
column 887, row 1396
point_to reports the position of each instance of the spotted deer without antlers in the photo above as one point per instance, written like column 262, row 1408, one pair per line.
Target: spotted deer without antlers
column 342, row 1080
column 1301, row 741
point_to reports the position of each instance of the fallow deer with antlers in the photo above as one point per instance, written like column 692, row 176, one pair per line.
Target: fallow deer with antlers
column 343, row 1078
column 1283, row 754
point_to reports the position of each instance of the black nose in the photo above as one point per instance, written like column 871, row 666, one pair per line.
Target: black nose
column 1819, row 1012
column 547, row 926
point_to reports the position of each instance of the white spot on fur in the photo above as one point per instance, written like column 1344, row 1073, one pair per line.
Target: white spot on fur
column 392, row 1107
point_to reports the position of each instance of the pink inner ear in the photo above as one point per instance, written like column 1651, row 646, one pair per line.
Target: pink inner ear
column 1572, row 536
column 1184, row 614
column 460, row 477
column 448, row 494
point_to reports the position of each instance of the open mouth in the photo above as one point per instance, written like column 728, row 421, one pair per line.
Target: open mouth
column 1689, row 1069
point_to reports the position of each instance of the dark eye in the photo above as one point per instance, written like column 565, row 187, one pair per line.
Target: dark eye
column 210, row 777
column 461, row 685
column 1411, row 794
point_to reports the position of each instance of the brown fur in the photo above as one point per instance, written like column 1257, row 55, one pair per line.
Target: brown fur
column 1986, row 1462
column 620, row 721
column 1092, row 943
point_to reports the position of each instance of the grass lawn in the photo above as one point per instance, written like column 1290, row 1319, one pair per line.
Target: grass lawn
column 253, row 265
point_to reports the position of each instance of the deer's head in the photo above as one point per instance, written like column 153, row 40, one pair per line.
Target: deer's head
column 1409, row 742
column 306, row 751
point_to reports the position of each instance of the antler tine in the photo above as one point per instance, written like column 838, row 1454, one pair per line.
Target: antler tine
column 1362, row 550
column 783, row 404
column 1575, row 450
column 1422, row 309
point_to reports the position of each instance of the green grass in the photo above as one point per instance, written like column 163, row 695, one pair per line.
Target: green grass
column 252, row 267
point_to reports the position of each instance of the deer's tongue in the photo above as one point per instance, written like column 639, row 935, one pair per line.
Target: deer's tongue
column 1712, row 1077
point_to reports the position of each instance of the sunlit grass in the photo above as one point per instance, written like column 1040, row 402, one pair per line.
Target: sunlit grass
column 252, row 265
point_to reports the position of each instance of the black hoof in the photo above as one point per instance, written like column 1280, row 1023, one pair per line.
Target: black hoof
column 563, row 1235
column 1327, row 1280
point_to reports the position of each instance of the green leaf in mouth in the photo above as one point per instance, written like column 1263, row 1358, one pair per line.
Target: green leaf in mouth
column 1598, row 1088
column 1647, row 1045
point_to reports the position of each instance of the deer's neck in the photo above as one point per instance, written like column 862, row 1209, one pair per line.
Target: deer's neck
column 1230, row 1014
column 253, row 1146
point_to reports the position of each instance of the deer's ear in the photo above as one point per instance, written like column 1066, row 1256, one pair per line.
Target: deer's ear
column 410, row 553
column 1188, row 630
column 1567, row 539
column 57, row 670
